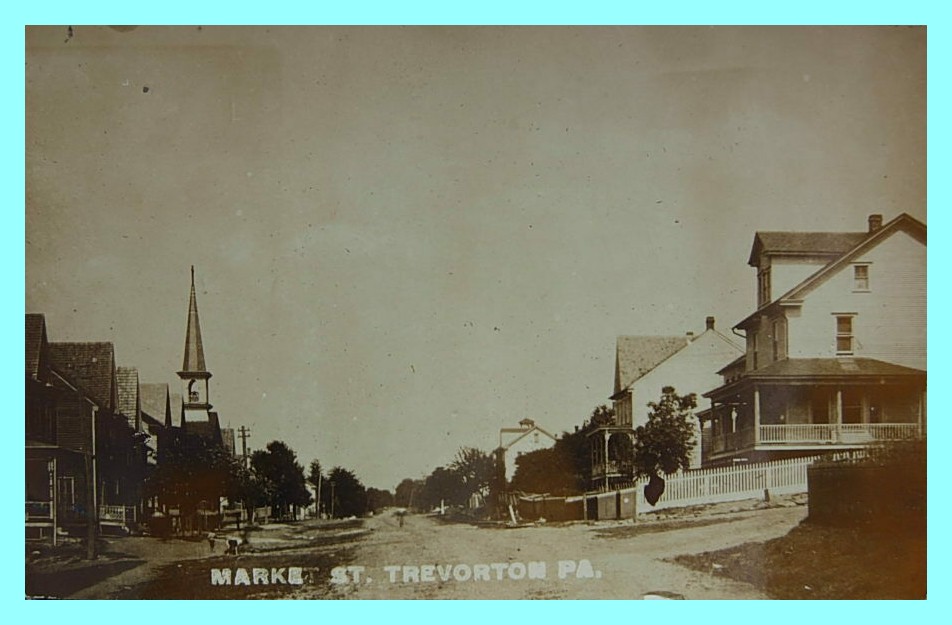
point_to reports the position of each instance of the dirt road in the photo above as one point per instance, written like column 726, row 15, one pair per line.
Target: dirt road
column 627, row 561
column 426, row 558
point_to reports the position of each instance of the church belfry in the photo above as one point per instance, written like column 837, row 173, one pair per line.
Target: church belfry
column 194, row 375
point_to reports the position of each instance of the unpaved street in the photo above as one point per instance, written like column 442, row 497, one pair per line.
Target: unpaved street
column 429, row 559
column 627, row 566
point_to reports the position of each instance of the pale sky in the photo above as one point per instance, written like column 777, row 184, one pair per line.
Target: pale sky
column 407, row 238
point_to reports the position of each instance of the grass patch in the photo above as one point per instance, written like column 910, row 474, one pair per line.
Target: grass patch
column 820, row 562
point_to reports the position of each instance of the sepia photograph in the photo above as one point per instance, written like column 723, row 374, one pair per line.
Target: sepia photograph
column 475, row 312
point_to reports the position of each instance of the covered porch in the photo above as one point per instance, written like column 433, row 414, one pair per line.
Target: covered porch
column 823, row 410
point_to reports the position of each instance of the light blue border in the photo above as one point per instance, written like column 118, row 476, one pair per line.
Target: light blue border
column 486, row 12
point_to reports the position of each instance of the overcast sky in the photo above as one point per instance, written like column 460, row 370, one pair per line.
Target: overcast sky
column 407, row 238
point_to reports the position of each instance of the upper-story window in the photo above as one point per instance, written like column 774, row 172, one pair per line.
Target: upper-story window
column 776, row 339
column 844, row 334
column 763, row 287
column 860, row 277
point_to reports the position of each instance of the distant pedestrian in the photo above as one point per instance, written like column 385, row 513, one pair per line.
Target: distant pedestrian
column 211, row 541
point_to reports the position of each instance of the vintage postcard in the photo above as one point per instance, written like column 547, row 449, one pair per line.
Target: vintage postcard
column 475, row 312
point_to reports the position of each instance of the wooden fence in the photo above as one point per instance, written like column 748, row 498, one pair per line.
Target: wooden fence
column 732, row 483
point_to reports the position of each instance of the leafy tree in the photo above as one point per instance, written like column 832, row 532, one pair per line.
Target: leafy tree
column 408, row 492
column 193, row 471
column 475, row 468
column 348, row 494
column 378, row 499
column 664, row 443
column 443, row 485
column 282, row 476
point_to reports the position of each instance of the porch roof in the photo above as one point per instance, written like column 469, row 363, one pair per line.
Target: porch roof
column 820, row 370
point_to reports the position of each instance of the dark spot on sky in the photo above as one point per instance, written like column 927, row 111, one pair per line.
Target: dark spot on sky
column 145, row 89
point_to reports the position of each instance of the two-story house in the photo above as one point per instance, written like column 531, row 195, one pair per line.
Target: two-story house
column 836, row 349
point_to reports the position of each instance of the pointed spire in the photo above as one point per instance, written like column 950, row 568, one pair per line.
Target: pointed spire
column 194, row 360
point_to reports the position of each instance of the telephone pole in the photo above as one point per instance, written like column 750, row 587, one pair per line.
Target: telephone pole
column 244, row 434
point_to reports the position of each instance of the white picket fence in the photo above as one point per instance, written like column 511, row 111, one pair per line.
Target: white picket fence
column 733, row 483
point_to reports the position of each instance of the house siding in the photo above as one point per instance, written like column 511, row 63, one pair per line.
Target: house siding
column 691, row 370
column 890, row 319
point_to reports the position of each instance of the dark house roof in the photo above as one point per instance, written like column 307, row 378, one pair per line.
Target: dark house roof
column 803, row 244
column 209, row 430
column 35, row 344
column 90, row 366
column 635, row 356
column 127, row 379
column 823, row 370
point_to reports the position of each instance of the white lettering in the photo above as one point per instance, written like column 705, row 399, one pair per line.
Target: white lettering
column 356, row 571
column 241, row 578
column 411, row 574
column 480, row 572
column 444, row 572
column 566, row 567
column 426, row 573
column 295, row 575
column 392, row 571
column 221, row 577
column 537, row 570
column 500, row 568
column 339, row 575
column 260, row 576
column 585, row 570
column 277, row 576
column 517, row 570
column 462, row 572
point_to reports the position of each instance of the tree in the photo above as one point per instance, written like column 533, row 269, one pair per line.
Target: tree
column 316, row 478
column 475, row 468
column 407, row 493
column 348, row 494
column 443, row 486
column 378, row 499
column 282, row 476
column 665, row 442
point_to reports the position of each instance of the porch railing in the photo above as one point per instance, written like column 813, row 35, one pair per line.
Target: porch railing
column 815, row 434
column 612, row 467
column 837, row 433
column 120, row 515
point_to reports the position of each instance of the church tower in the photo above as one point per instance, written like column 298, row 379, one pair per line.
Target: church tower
column 194, row 375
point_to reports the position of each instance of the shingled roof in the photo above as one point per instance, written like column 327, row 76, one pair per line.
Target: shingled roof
column 803, row 244
column 90, row 366
column 127, row 379
column 35, row 343
column 833, row 367
column 635, row 356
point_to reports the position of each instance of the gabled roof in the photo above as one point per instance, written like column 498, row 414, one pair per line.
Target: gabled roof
column 155, row 400
column 903, row 222
column 35, row 343
column 802, row 244
column 635, row 356
column 524, row 433
column 209, row 430
column 90, row 366
column 175, row 404
column 127, row 379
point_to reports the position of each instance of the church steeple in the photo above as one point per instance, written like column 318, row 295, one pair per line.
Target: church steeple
column 194, row 374
column 194, row 360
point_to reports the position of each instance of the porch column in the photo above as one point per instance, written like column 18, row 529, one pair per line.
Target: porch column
column 756, row 415
column 605, row 435
column 839, row 414
column 921, row 414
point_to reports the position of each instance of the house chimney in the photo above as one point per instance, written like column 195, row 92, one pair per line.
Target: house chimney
column 709, row 323
column 875, row 223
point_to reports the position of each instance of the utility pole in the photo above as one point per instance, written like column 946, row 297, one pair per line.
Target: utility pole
column 244, row 434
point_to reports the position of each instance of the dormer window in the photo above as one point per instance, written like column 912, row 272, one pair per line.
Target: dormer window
column 860, row 277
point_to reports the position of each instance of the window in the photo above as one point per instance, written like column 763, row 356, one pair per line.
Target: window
column 763, row 287
column 844, row 334
column 753, row 350
column 776, row 339
column 860, row 277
